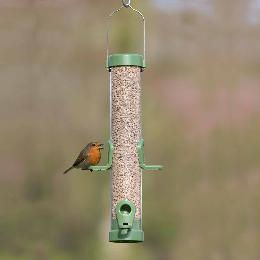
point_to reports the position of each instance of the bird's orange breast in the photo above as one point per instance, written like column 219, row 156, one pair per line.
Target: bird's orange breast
column 94, row 156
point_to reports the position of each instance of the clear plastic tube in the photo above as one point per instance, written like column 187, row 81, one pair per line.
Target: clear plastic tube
column 125, row 127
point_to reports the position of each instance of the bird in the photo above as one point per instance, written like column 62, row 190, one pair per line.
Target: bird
column 89, row 156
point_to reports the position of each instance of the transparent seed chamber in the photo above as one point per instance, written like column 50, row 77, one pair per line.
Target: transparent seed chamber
column 126, row 175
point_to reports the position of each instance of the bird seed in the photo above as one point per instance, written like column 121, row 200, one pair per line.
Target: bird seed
column 126, row 176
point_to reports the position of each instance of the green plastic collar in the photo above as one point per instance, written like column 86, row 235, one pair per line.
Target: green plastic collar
column 126, row 59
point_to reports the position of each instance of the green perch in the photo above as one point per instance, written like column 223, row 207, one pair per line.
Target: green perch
column 140, row 150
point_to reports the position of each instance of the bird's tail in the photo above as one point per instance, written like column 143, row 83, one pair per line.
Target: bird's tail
column 70, row 168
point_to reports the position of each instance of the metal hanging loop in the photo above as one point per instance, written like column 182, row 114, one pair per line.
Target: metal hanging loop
column 127, row 4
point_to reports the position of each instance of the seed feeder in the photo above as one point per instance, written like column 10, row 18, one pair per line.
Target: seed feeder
column 126, row 145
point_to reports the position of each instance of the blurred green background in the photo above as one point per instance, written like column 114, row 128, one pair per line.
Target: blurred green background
column 201, row 107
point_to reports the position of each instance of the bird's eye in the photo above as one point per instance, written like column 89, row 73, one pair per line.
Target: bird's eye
column 93, row 144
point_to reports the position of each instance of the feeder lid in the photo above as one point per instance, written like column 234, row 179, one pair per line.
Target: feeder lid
column 126, row 59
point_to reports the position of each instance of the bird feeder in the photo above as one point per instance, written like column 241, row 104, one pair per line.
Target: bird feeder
column 126, row 144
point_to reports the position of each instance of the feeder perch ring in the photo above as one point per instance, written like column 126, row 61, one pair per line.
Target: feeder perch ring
column 140, row 149
column 101, row 168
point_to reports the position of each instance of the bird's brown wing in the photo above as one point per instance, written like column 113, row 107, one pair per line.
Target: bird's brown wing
column 80, row 158
column 86, row 163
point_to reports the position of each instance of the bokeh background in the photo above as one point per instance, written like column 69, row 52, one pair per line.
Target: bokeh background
column 201, row 107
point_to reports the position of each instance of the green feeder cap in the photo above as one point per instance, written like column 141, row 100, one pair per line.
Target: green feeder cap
column 125, row 59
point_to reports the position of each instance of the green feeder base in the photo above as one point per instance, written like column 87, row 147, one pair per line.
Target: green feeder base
column 119, row 235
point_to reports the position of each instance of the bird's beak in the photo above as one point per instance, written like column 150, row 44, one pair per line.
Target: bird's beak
column 100, row 146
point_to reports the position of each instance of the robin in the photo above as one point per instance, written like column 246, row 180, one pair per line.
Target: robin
column 89, row 156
